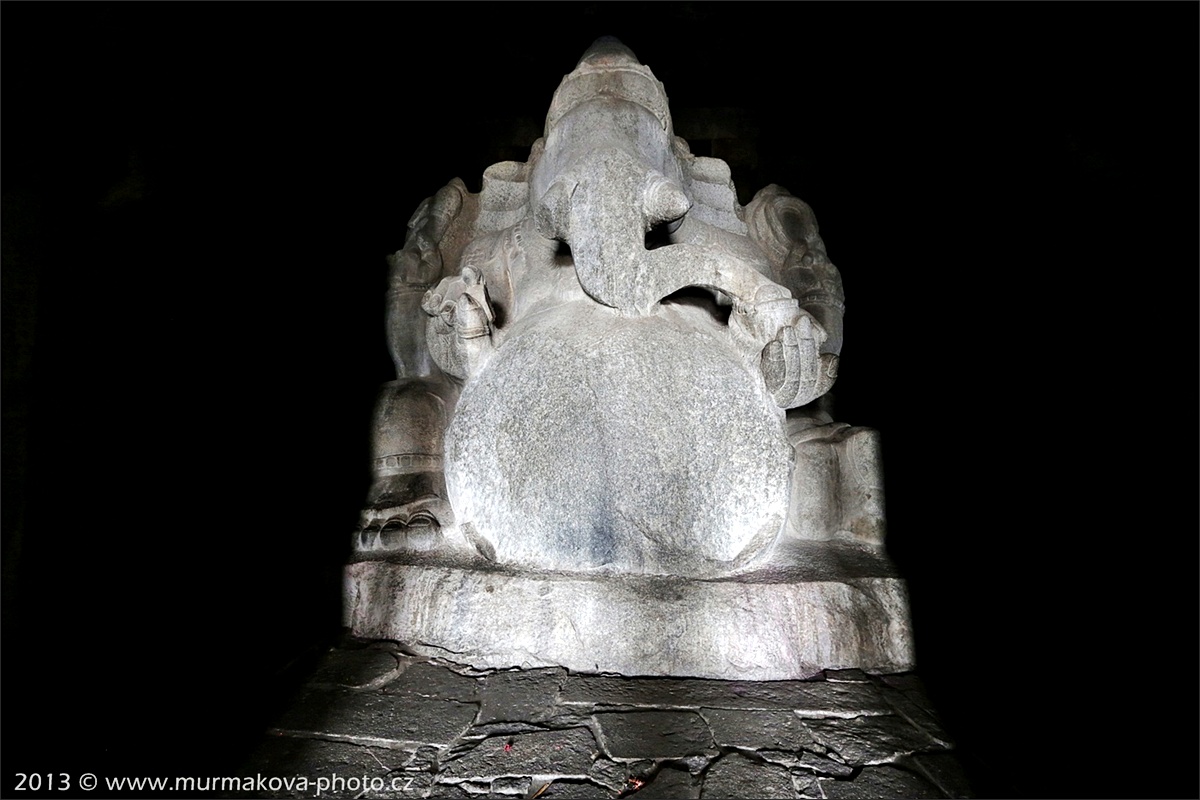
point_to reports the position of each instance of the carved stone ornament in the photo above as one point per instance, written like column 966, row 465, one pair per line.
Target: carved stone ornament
column 604, row 447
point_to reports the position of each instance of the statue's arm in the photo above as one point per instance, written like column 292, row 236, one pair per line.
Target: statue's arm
column 412, row 271
column 779, row 337
column 785, row 229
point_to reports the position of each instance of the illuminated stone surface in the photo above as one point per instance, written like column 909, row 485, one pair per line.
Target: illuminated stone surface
column 606, row 447
column 758, row 628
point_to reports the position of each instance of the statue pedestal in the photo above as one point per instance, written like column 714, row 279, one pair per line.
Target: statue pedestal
column 843, row 608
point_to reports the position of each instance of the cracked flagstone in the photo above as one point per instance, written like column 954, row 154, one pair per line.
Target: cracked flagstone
column 563, row 753
column 524, row 695
column 670, row 784
column 429, row 679
column 735, row 775
column 359, row 668
column 653, row 734
column 757, row 730
column 871, row 740
column 434, row 730
column 879, row 781
column 374, row 718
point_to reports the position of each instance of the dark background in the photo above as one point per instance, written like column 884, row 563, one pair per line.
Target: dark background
column 197, row 202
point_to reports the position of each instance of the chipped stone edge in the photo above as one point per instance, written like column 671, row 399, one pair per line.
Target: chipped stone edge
column 704, row 629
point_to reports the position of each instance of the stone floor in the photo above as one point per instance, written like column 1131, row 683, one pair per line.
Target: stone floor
column 395, row 725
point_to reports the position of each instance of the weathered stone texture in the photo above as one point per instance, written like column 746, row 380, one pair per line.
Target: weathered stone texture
column 871, row 740
column 875, row 782
column 426, row 679
column 735, row 775
column 314, row 759
column 563, row 753
column 753, row 628
column 670, row 784
column 653, row 734
column 604, row 736
column 757, row 730
column 521, row 695
column 373, row 718
column 357, row 667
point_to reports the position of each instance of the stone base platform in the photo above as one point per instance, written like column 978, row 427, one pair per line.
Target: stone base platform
column 844, row 608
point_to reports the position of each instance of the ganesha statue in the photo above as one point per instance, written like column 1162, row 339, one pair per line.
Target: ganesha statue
column 596, row 356
column 606, row 366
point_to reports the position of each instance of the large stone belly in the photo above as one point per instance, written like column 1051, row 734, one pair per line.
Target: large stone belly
column 641, row 445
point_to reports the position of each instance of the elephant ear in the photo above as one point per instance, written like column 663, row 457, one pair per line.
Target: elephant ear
column 710, row 184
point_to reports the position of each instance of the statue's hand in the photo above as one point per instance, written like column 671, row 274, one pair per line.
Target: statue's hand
column 759, row 321
column 786, row 341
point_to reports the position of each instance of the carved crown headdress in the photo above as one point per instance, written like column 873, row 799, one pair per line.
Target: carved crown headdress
column 610, row 68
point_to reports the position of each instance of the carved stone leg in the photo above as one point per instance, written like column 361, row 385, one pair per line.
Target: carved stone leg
column 862, row 486
column 837, row 483
column 406, row 506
